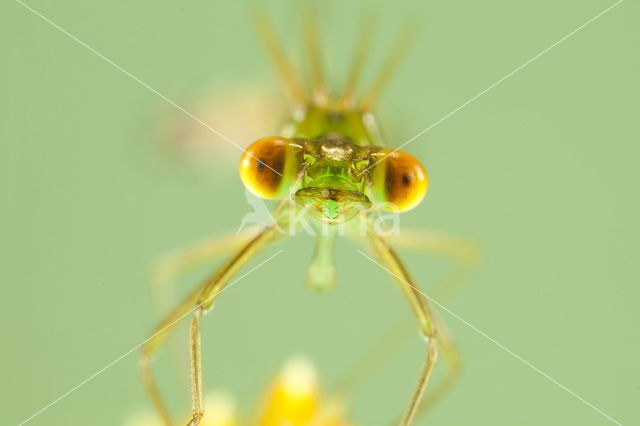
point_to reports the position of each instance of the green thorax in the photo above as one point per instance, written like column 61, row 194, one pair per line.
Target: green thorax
column 312, row 122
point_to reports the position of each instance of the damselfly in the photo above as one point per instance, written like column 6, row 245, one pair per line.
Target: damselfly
column 328, row 165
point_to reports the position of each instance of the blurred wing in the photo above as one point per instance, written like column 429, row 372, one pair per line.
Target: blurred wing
column 243, row 113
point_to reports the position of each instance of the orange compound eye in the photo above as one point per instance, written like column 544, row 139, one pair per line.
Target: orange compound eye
column 266, row 165
column 398, row 179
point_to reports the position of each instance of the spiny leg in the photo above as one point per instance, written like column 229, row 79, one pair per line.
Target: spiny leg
column 164, row 272
column 398, row 50
column 452, row 358
column 363, row 43
column 447, row 348
column 422, row 313
column 176, row 262
column 319, row 91
column 386, row 349
column 466, row 255
column 151, row 346
column 196, row 368
column 197, row 302
column 288, row 72
column 210, row 291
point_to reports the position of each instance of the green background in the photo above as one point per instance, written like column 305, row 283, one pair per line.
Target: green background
column 542, row 171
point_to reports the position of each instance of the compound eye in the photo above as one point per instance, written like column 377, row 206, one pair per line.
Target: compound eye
column 399, row 179
column 263, row 167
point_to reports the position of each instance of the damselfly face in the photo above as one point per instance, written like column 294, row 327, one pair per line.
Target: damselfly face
column 333, row 178
column 333, row 185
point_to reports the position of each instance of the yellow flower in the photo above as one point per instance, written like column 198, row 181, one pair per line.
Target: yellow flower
column 293, row 399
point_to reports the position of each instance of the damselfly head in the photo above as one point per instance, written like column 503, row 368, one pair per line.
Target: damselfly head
column 333, row 178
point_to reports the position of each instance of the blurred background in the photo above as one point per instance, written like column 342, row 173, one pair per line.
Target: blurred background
column 541, row 171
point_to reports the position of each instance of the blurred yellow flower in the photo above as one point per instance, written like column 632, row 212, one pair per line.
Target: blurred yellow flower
column 293, row 399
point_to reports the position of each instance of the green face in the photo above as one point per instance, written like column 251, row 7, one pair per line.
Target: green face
column 334, row 182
